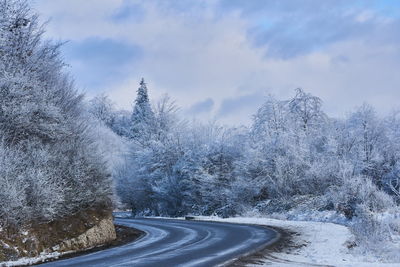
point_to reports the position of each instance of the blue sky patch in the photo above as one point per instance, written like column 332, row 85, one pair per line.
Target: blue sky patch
column 97, row 62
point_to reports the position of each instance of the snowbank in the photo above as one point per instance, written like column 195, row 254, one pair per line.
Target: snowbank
column 318, row 243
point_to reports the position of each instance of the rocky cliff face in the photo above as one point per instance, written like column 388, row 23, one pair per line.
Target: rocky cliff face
column 83, row 230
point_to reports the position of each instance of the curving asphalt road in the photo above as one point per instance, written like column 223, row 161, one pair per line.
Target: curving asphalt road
column 178, row 243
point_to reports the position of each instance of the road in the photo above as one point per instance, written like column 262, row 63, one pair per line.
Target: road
column 178, row 243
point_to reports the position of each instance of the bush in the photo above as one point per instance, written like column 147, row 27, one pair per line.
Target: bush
column 355, row 191
column 377, row 233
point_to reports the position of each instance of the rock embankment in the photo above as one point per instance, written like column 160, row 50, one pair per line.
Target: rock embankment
column 81, row 231
column 99, row 234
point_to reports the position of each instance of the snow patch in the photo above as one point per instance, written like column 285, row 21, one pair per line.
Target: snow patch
column 29, row 261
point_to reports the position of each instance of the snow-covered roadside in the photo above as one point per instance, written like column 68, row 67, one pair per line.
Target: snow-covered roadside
column 325, row 243
column 34, row 260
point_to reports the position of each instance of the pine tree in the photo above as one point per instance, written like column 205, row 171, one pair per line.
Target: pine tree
column 143, row 118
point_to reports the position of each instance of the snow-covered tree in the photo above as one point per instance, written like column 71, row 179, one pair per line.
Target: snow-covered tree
column 143, row 120
column 53, row 165
column 149, row 158
column 368, row 135
column 306, row 109
column 102, row 108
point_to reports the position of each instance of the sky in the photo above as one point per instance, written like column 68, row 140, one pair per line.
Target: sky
column 219, row 59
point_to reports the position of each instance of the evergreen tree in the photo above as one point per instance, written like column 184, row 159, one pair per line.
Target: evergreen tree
column 143, row 116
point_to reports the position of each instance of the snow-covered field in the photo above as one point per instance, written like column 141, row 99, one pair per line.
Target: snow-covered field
column 325, row 244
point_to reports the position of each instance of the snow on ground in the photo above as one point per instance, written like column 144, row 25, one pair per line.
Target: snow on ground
column 325, row 244
column 34, row 260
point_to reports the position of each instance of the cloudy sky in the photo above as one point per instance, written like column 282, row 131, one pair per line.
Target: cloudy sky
column 220, row 58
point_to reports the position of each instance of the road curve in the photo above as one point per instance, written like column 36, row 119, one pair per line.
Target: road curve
column 178, row 243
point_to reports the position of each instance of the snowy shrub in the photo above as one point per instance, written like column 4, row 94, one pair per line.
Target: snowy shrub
column 358, row 190
column 377, row 233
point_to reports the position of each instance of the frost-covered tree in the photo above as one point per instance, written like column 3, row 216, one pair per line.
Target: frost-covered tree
column 288, row 140
column 391, row 154
column 142, row 125
column 149, row 158
column 306, row 109
column 102, row 108
column 270, row 121
column 368, row 137
column 50, row 163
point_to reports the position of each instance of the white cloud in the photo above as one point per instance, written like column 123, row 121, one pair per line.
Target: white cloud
column 211, row 56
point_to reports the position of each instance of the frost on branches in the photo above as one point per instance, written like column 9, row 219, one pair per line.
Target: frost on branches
column 142, row 120
column 49, row 162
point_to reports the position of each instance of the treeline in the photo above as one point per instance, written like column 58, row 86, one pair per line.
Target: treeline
column 292, row 149
column 293, row 160
column 50, row 166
